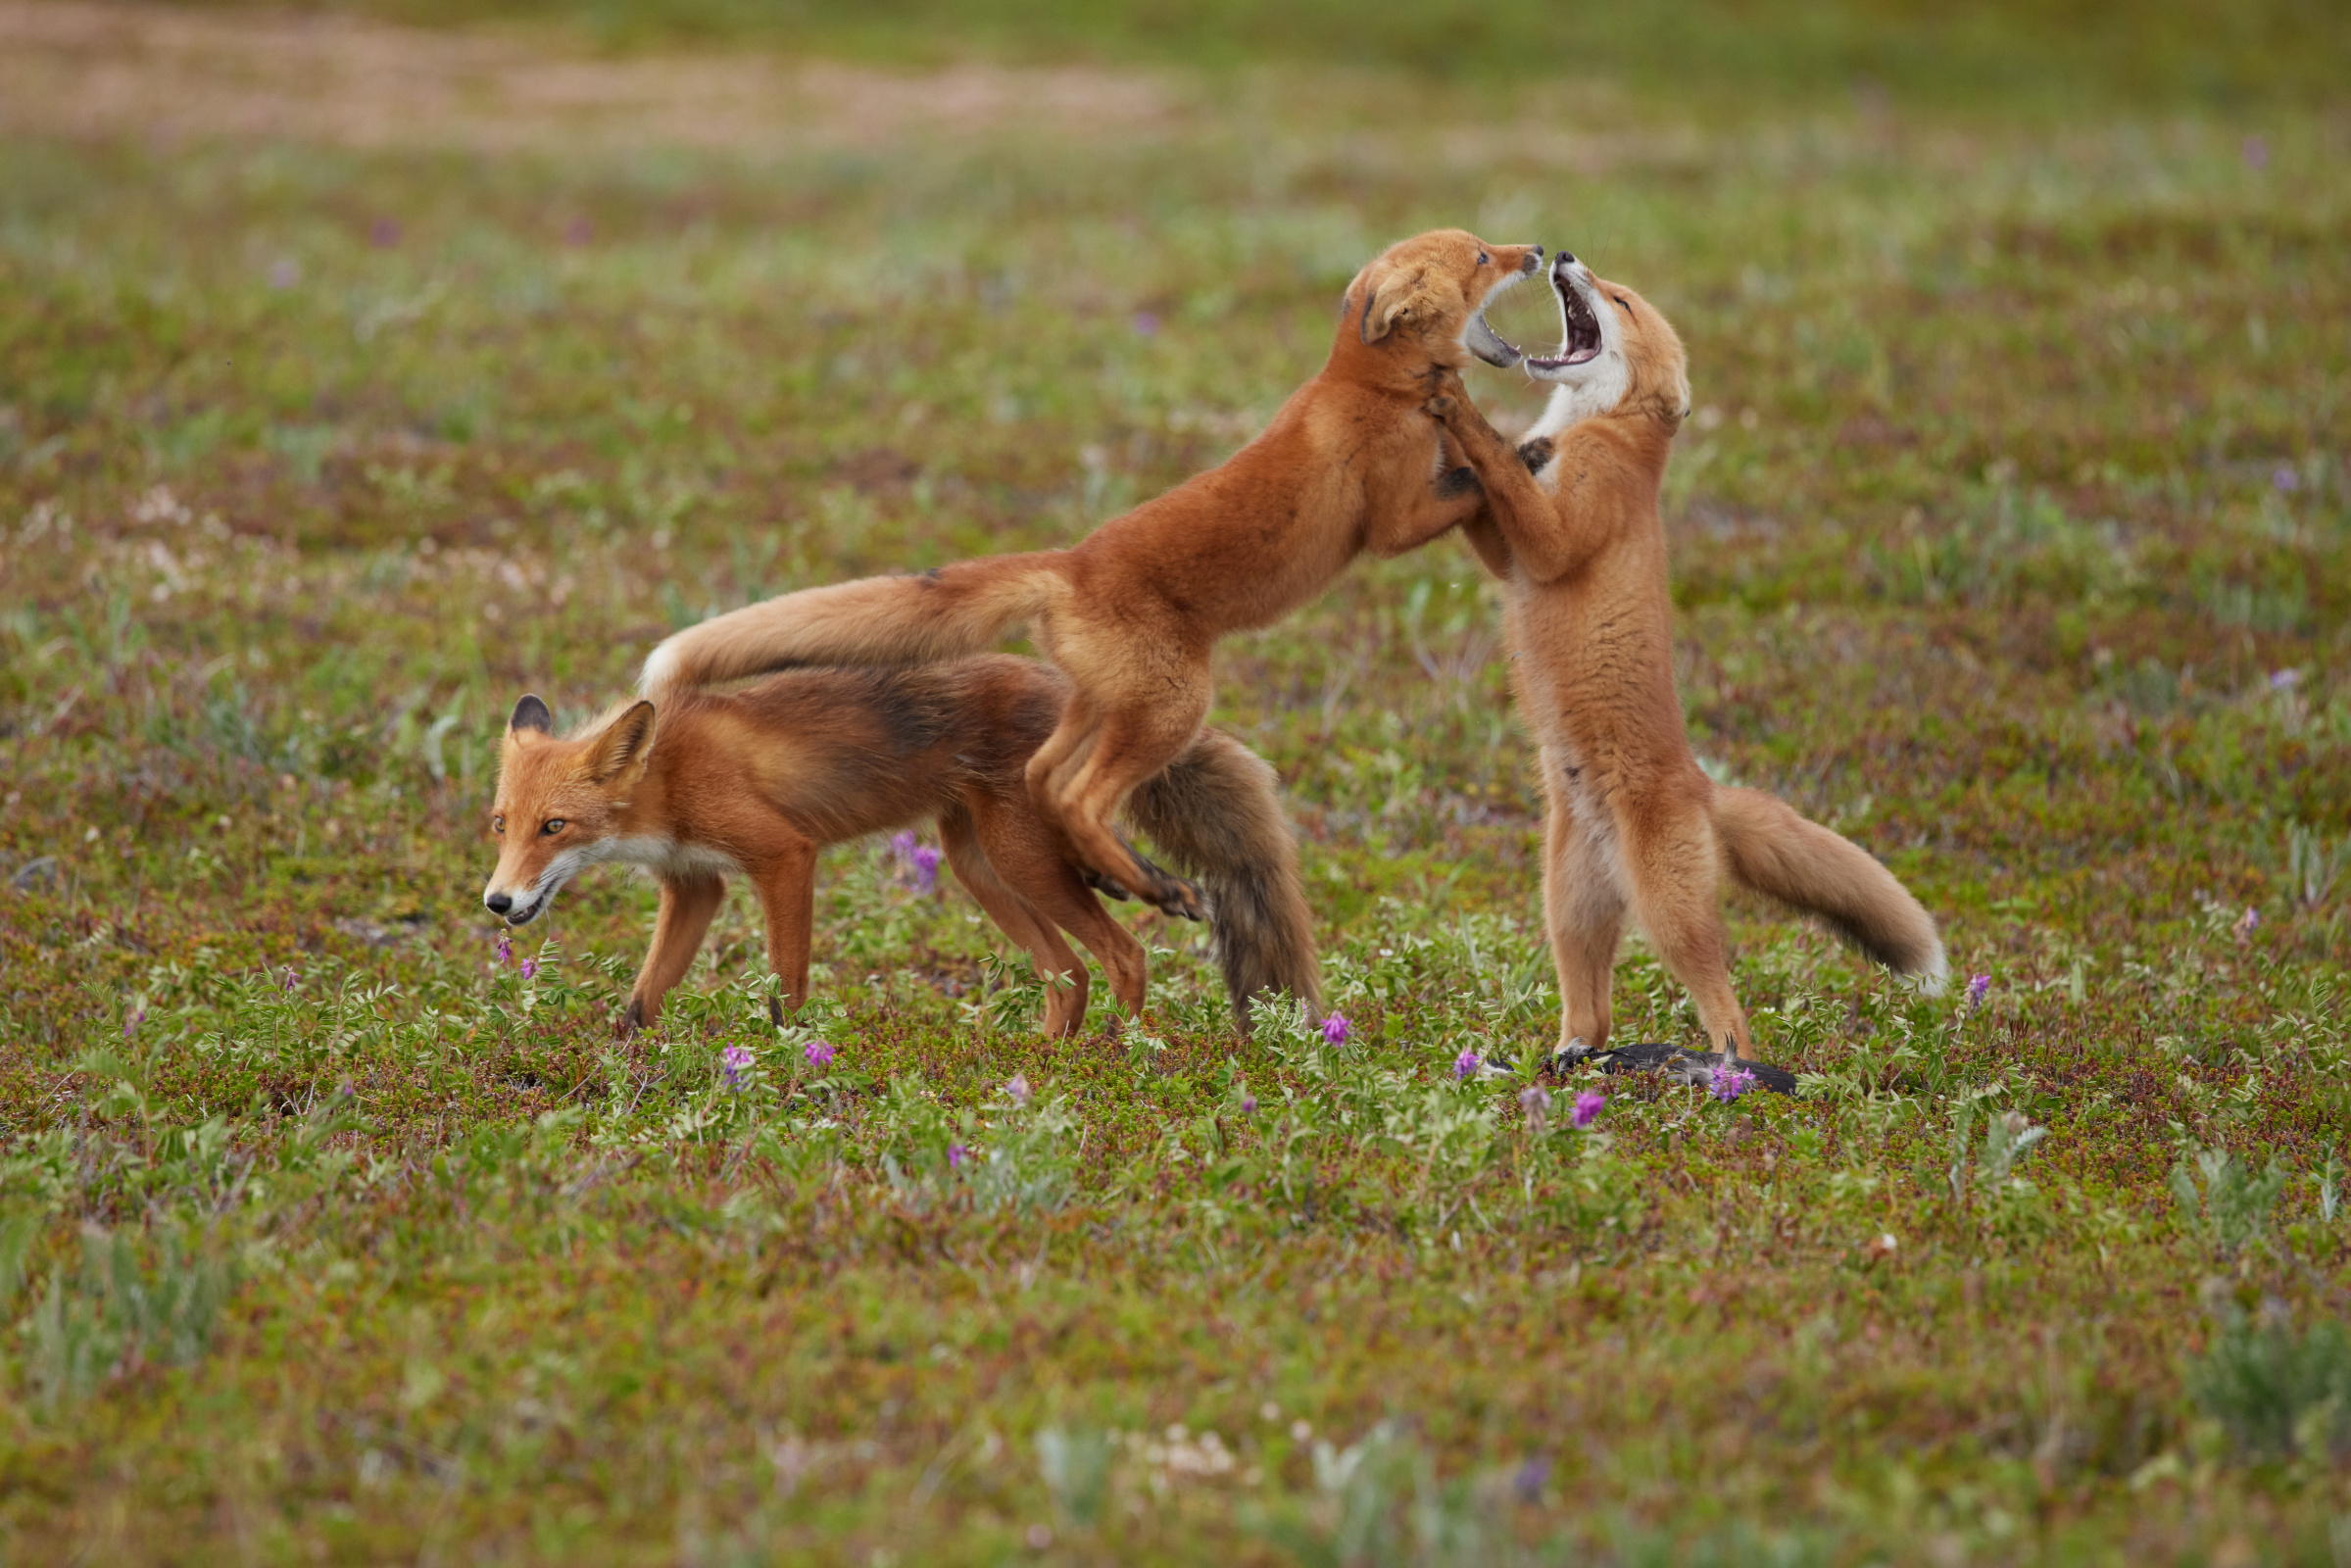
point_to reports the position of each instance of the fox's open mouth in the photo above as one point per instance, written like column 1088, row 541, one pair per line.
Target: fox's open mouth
column 1482, row 340
column 1578, row 327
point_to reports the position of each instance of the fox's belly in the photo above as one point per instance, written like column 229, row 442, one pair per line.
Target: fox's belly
column 1598, row 692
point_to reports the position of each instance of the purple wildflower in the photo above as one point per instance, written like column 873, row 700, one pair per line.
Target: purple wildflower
column 918, row 863
column 131, row 1023
column 820, row 1053
column 1732, row 1082
column 2284, row 680
column 1466, row 1064
column 2285, row 481
column 1019, row 1089
column 735, row 1059
column 2257, row 152
column 1535, row 1102
column 1336, row 1029
column 956, row 1153
column 1977, row 988
column 1588, row 1106
column 1146, row 324
column 2247, row 923
column 290, row 979
column 1249, row 1104
column 530, row 968
column 506, row 947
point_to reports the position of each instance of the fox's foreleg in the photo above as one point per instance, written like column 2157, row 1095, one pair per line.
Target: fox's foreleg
column 688, row 905
column 1538, row 534
column 787, row 885
column 1422, row 506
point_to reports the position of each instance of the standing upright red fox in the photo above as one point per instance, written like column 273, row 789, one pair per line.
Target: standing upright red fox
column 1350, row 463
column 756, row 782
column 1572, row 527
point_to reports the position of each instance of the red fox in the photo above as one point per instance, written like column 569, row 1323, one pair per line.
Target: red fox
column 758, row 781
column 1350, row 463
column 1572, row 529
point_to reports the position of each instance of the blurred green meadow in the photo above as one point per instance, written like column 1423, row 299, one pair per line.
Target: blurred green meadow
column 358, row 375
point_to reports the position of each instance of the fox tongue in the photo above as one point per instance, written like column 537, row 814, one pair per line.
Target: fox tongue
column 1488, row 344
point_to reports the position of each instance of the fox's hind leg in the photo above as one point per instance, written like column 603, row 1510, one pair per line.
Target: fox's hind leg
column 1673, row 867
column 1584, row 914
column 1129, row 745
column 688, row 905
column 1058, row 969
column 1030, row 857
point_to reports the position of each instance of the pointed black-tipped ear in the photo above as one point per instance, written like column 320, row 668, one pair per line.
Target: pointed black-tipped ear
column 622, row 745
column 531, row 714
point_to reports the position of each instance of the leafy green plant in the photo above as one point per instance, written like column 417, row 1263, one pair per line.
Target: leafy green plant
column 2279, row 1393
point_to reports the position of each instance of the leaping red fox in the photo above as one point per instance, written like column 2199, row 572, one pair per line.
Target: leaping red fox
column 756, row 782
column 1350, row 464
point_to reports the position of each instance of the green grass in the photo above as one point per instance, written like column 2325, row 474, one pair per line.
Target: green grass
column 2011, row 539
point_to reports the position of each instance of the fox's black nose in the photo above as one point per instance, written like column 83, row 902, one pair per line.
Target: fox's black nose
column 499, row 902
column 1566, row 258
column 1533, row 260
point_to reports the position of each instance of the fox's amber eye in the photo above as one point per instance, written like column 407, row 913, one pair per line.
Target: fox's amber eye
column 1621, row 305
column 1483, row 258
column 553, row 825
column 498, row 824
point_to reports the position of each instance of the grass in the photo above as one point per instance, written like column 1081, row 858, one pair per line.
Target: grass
column 2011, row 538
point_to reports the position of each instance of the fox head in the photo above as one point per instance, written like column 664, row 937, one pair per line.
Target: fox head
column 1427, row 296
column 1616, row 354
column 559, row 802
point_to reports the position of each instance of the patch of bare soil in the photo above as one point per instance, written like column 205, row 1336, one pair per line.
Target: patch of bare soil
column 104, row 71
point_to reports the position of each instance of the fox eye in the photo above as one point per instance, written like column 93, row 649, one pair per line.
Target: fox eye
column 1483, row 258
column 552, row 826
column 1621, row 305
column 498, row 824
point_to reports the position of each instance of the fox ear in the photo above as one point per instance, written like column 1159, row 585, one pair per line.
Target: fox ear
column 531, row 714
column 1392, row 299
column 622, row 745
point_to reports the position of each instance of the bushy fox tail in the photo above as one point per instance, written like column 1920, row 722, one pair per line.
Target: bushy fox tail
column 1214, row 812
column 920, row 620
column 1773, row 850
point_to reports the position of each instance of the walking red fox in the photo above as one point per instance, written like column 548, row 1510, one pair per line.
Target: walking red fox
column 1350, row 463
column 758, row 781
column 1572, row 526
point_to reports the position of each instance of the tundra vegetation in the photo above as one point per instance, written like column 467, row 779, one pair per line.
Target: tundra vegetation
column 356, row 377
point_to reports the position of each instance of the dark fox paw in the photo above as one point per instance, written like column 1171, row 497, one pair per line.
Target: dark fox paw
column 1181, row 899
column 631, row 1021
column 1109, row 887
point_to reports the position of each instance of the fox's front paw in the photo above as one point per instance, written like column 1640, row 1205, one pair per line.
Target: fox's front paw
column 1439, row 407
column 631, row 1020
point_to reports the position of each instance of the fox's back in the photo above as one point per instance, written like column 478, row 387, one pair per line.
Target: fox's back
column 850, row 751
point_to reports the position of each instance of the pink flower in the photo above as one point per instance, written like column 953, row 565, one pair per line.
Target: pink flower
column 735, row 1059
column 1019, row 1089
column 530, row 968
column 956, row 1153
column 1588, row 1106
column 1465, row 1064
column 1336, row 1029
column 1732, row 1082
column 820, row 1053
column 1978, row 988
column 506, row 947
column 1535, row 1102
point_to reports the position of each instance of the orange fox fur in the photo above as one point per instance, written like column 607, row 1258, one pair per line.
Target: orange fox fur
column 758, row 781
column 1572, row 526
column 1350, row 463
